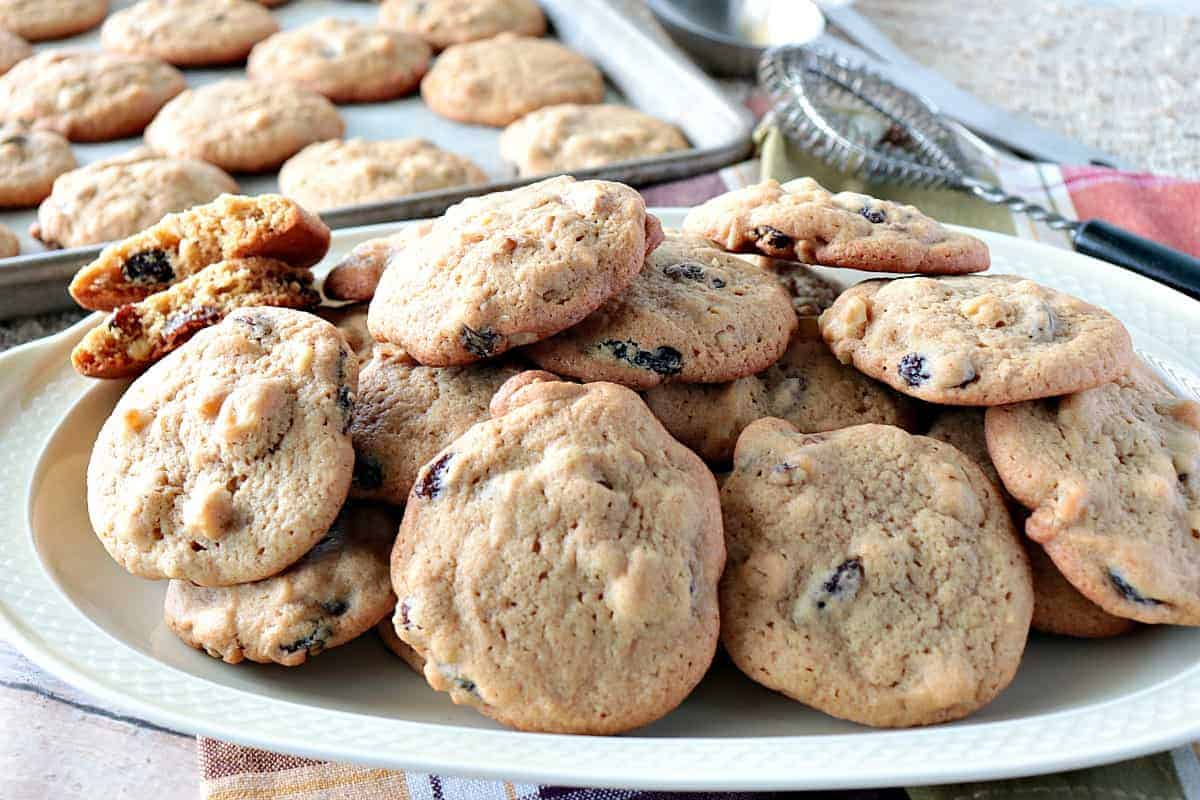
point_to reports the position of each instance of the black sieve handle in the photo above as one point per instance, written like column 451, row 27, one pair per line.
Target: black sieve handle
column 1115, row 245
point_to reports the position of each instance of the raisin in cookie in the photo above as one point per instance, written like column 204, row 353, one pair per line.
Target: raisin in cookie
column 12, row 49
column 37, row 20
column 9, row 244
column 244, row 126
column 570, row 524
column 802, row 221
column 446, row 22
column 500, row 80
column 338, row 591
column 117, row 197
column 182, row 244
column 510, row 268
column 188, row 33
column 570, row 137
column 1112, row 476
column 346, row 173
column 873, row 575
column 136, row 335
column 30, row 161
column 343, row 60
column 85, row 95
column 976, row 340
column 693, row 314
column 228, row 460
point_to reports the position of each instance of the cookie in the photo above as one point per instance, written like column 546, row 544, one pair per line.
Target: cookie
column 12, row 49
column 1112, row 476
column 447, row 22
column 510, row 268
column 138, row 334
column 9, row 244
column 244, row 126
column 810, row 291
column 29, row 163
column 873, row 575
column 406, row 413
column 500, row 80
column 188, row 33
column 338, row 591
column 387, row 633
column 87, row 96
column 1058, row 607
column 693, row 314
column 117, row 197
column 346, row 173
column 343, row 60
column 37, row 20
column 807, row 387
column 182, row 244
column 351, row 322
column 569, row 137
column 802, row 221
column 976, row 340
column 557, row 565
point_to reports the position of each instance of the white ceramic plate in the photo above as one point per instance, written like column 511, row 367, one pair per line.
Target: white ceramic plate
column 73, row 611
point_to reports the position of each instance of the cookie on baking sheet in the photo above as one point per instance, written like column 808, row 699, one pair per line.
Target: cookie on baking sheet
column 500, row 80
column 565, row 529
column 406, row 413
column 9, row 244
column 30, row 160
column 228, row 460
column 873, row 575
column 1112, row 476
column 570, row 137
column 37, row 20
column 979, row 340
column 188, row 33
column 12, row 49
column 694, row 314
column 802, row 221
column 1058, row 607
column 446, row 22
column 807, row 387
column 346, row 173
column 136, row 335
column 510, row 268
column 85, row 95
column 387, row 633
column 338, row 591
column 344, row 60
column 810, row 291
column 244, row 126
column 117, row 197
column 351, row 322
column 182, row 244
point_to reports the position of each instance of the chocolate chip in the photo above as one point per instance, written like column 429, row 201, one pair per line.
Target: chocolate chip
column 1129, row 593
column 430, row 485
column 368, row 473
column 313, row 643
column 661, row 360
column 148, row 266
column 180, row 326
column 843, row 583
column 913, row 369
column 335, row 608
column 482, row 342
column 874, row 215
column 126, row 320
column 772, row 238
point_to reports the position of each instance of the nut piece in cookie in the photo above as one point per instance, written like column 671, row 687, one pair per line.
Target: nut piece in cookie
column 802, row 221
column 188, row 33
column 873, row 575
column 446, row 22
column 570, row 524
column 338, row 591
column 182, row 244
column 228, row 460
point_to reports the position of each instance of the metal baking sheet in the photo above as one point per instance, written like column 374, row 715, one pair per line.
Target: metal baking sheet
column 640, row 70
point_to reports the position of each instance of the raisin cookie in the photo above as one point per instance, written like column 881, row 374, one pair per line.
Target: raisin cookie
column 570, row 137
column 446, row 22
column 510, row 268
column 244, row 126
column 387, row 633
column 12, row 49
column 873, row 575
column 406, row 413
column 117, row 197
column 569, row 524
column 338, row 591
column 976, row 340
column 693, row 314
column 136, row 335
column 802, row 221
column 343, row 60
column 37, row 20
column 188, row 33
column 1112, row 476
column 9, row 244
column 85, row 95
column 498, row 81
column 182, row 244
column 810, row 291
column 807, row 387
column 346, row 173
column 30, row 161
column 227, row 461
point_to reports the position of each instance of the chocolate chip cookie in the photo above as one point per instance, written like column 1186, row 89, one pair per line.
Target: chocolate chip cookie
column 30, row 160
column 37, row 20
column 446, row 22
column 188, row 33
column 976, row 340
column 12, row 49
